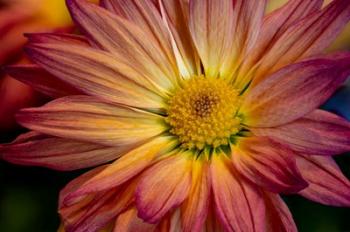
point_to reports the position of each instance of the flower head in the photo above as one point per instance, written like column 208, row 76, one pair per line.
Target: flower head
column 203, row 110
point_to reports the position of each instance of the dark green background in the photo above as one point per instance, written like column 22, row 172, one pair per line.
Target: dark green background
column 28, row 195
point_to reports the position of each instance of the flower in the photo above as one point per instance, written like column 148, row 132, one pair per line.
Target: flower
column 201, row 111
column 16, row 18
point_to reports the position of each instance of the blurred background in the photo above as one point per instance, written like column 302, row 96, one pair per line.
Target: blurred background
column 28, row 195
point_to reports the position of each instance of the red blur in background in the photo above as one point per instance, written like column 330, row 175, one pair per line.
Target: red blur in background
column 16, row 18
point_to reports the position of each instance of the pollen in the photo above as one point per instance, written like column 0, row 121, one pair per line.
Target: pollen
column 203, row 113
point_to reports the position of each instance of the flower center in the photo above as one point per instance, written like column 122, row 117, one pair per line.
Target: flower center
column 203, row 112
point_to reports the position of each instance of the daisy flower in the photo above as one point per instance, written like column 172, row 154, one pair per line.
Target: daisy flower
column 202, row 112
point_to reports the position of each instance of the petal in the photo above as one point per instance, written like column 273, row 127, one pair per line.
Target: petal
column 327, row 184
column 305, row 38
column 147, row 17
column 176, row 16
column 239, row 205
column 128, row 166
column 57, row 38
column 281, row 19
column 163, row 187
column 211, row 25
column 278, row 215
column 318, row 133
column 171, row 223
column 107, row 78
column 41, row 80
column 195, row 209
column 268, row 164
column 127, row 41
column 37, row 149
column 294, row 91
column 93, row 212
column 212, row 223
column 129, row 222
column 88, row 119
column 248, row 18
column 273, row 27
column 75, row 184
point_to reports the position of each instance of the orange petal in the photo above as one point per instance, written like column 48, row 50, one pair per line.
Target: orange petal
column 171, row 223
column 164, row 187
column 107, row 78
column 129, row 222
column 239, row 205
column 75, row 184
column 146, row 15
column 211, row 27
column 127, row 41
column 128, row 166
column 37, row 149
column 94, row 211
column 176, row 16
column 88, row 119
column 40, row 80
column 248, row 18
column 195, row 209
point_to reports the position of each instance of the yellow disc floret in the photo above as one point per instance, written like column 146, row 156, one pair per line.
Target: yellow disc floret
column 203, row 112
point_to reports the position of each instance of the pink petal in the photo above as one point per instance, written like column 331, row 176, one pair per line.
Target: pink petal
column 127, row 167
column 273, row 27
column 195, row 207
column 163, row 187
column 318, row 133
column 127, row 41
column 88, row 119
column 281, row 19
column 239, row 205
column 57, row 38
column 305, row 38
column 327, row 184
column 268, row 164
column 107, row 78
column 129, row 222
column 212, row 223
column 278, row 215
column 294, row 91
column 37, row 149
column 41, row 80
